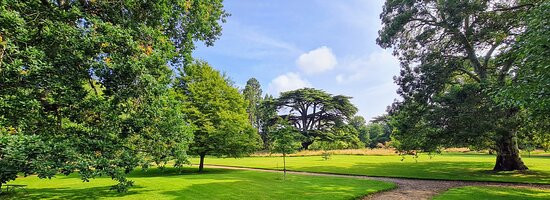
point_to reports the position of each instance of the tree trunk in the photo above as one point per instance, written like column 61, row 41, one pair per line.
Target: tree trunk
column 201, row 164
column 508, row 158
column 305, row 145
column 284, row 166
column 265, row 140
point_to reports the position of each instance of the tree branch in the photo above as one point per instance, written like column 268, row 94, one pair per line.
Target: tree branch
column 467, row 46
column 504, row 71
column 470, row 74
column 489, row 53
column 1, row 55
column 513, row 7
column 93, row 86
column 480, row 70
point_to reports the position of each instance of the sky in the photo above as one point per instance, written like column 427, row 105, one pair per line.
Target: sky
column 324, row 44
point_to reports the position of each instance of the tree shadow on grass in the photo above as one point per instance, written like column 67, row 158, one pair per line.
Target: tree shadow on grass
column 475, row 171
column 171, row 171
column 64, row 193
column 93, row 193
column 157, row 172
column 216, row 190
column 273, row 187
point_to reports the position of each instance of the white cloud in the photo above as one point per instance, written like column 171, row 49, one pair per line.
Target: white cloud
column 317, row 60
column 378, row 66
column 287, row 82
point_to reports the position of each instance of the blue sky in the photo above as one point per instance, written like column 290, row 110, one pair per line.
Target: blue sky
column 289, row 44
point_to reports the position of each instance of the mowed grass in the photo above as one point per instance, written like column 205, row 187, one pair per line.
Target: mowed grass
column 445, row 166
column 491, row 193
column 213, row 184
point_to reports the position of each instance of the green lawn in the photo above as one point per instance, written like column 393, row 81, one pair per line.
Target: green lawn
column 491, row 193
column 446, row 166
column 213, row 184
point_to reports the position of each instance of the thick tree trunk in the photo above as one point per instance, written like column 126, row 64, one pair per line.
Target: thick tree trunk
column 305, row 145
column 201, row 163
column 508, row 158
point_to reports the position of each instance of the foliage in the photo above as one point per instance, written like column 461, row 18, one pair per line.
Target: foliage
column 217, row 111
column 336, row 144
column 261, row 112
column 84, row 85
column 23, row 154
column 379, row 133
column 267, row 117
column 316, row 114
column 286, row 138
column 455, row 55
column 529, row 88
column 253, row 95
column 326, row 146
column 359, row 124
column 374, row 133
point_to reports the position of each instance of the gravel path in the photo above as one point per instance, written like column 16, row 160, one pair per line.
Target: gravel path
column 409, row 189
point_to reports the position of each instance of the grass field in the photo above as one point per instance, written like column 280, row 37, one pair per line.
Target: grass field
column 213, row 184
column 492, row 193
column 445, row 166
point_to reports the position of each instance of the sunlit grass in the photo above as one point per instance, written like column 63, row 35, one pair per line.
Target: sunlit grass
column 491, row 193
column 452, row 166
column 213, row 184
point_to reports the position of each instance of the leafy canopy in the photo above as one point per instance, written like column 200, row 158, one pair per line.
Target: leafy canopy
column 84, row 85
column 315, row 113
column 455, row 56
column 217, row 111
column 286, row 138
column 253, row 95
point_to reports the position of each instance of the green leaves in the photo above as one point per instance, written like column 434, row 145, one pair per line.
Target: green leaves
column 92, row 83
column 217, row 111
column 286, row 138
column 315, row 113
column 456, row 56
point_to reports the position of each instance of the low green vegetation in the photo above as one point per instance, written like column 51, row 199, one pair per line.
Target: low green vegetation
column 211, row 184
column 445, row 166
column 502, row 193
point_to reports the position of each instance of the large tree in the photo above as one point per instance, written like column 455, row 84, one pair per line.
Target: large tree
column 529, row 89
column 218, row 112
column 253, row 95
column 267, row 117
column 261, row 112
column 84, row 85
column 455, row 56
column 317, row 114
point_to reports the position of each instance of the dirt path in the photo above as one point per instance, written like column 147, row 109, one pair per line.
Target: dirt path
column 409, row 189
